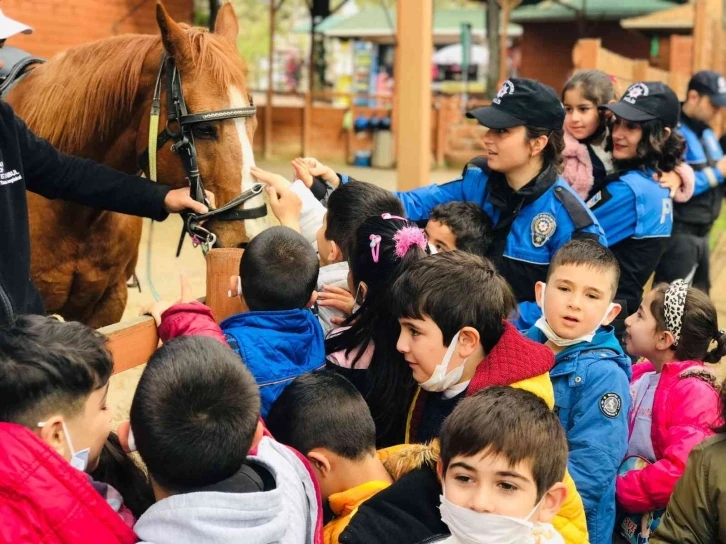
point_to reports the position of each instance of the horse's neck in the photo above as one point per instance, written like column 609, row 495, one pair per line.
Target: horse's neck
column 116, row 147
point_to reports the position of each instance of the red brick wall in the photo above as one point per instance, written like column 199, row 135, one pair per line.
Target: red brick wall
column 547, row 48
column 61, row 24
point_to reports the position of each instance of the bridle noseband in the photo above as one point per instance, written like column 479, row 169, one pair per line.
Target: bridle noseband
column 178, row 130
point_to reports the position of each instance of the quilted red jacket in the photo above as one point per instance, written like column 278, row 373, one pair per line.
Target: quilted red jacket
column 685, row 411
column 44, row 499
column 513, row 359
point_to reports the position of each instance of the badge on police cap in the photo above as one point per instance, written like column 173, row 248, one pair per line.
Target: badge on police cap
column 635, row 91
column 543, row 227
column 506, row 88
column 610, row 405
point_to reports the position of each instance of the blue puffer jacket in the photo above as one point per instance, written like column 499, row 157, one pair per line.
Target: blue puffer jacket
column 277, row 347
column 592, row 399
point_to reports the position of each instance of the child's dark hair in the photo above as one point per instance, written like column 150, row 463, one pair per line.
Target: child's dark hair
column 117, row 469
column 279, row 271
column 389, row 380
column 510, row 422
column 456, row 290
column 699, row 326
column 597, row 87
column 351, row 204
column 657, row 149
column 323, row 410
column 47, row 367
column 194, row 414
column 587, row 252
column 552, row 153
column 469, row 223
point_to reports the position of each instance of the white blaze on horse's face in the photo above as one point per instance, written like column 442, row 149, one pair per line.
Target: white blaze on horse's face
column 252, row 226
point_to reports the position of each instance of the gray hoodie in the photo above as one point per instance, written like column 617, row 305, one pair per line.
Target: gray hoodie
column 286, row 514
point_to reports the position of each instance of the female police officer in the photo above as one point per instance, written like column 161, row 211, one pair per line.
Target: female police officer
column 518, row 185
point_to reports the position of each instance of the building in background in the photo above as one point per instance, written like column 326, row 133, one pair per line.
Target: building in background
column 61, row 24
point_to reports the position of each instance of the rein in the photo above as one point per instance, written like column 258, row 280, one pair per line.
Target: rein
column 178, row 130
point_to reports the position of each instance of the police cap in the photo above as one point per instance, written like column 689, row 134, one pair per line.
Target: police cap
column 646, row 101
column 522, row 102
column 711, row 84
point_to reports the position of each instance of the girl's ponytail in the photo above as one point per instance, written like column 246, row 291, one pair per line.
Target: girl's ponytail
column 715, row 355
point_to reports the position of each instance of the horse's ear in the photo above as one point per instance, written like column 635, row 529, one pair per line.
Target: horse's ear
column 226, row 24
column 173, row 35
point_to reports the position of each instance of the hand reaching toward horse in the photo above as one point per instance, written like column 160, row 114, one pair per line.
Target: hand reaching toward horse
column 338, row 298
column 302, row 172
column 178, row 200
column 157, row 309
column 285, row 204
column 317, row 168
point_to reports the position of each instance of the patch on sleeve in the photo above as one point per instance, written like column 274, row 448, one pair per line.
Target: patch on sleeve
column 543, row 227
column 610, row 405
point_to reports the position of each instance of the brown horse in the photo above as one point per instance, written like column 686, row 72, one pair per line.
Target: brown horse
column 94, row 101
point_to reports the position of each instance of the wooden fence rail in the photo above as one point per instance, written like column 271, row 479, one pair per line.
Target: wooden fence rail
column 133, row 342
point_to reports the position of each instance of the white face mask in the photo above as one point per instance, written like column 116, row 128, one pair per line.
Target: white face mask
column 432, row 249
column 440, row 380
column 469, row 527
column 555, row 338
column 79, row 459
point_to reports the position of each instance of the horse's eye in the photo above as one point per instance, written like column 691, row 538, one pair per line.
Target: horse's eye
column 204, row 130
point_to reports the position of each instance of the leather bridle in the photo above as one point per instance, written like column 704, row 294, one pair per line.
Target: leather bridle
column 178, row 130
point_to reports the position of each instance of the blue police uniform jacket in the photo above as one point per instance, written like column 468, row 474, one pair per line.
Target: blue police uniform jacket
column 592, row 399
column 703, row 151
column 276, row 347
column 530, row 232
column 702, row 154
column 636, row 214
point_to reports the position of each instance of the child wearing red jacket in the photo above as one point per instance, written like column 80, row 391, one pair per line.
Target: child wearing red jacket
column 675, row 405
column 54, row 422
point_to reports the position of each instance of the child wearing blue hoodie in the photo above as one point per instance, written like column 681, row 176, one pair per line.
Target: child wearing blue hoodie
column 591, row 373
column 277, row 336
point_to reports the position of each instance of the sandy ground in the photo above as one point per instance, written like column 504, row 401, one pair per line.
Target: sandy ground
column 165, row 269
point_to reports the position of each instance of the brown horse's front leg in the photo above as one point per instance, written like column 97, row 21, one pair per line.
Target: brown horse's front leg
column 110, row 308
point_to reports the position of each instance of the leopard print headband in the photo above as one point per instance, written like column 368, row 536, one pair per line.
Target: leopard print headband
column 674, row 306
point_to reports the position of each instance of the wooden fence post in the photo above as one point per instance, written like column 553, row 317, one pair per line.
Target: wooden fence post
column 585, row 54
column 221, row 264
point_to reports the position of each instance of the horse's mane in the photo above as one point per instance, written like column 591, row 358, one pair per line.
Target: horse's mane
column 84, row 93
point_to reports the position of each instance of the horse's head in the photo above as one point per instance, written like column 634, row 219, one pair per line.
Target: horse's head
column 214, row 78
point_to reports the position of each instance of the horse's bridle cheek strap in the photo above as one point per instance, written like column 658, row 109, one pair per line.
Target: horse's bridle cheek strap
column 183, row 145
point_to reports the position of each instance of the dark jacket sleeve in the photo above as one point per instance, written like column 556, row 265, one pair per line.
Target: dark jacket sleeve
column 693, row 512
column 53, row 174
column 407, row 512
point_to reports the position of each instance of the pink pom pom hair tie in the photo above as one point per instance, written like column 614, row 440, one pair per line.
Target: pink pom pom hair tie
column 407, row 237
column 375, row 246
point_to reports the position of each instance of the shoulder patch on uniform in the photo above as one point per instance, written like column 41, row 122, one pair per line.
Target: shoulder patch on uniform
column 576, row 208
column 598, row 199
column 610, row 404
column 699, row 372
column 543, row 227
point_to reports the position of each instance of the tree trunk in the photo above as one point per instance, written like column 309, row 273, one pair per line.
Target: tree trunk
column 214, row 6
column 493, row 16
